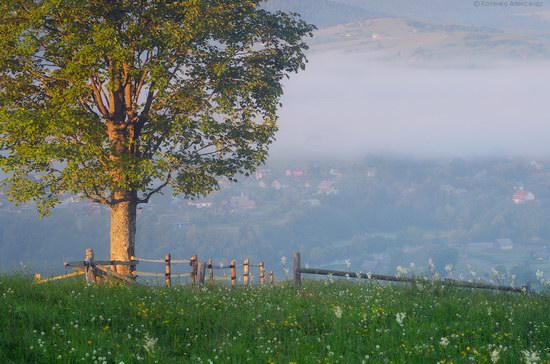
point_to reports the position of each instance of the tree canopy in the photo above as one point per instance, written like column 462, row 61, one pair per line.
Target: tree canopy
column 98, row 97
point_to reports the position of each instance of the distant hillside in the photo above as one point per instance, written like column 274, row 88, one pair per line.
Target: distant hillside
column 415, row 42
column 322, row 13
column 525, row 18
column 326, row 13
column 425, row 31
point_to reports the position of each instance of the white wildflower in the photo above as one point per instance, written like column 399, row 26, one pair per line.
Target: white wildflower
column 497, row 276
column 338, row 312
column 444, row 342
column 531, row 357
column 540, row 276
column 400, row 270
column 399, row 317
column 431, row 265
column 449, row 270
column 149, row 344
column 472, row 273
column 495, row 355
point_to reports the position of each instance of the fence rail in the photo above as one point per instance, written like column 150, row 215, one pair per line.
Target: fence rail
column 298, row 271
column 38, row 277
column 173, row 261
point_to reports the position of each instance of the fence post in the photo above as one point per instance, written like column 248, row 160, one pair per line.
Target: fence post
column 210, row 271
column 167, row 272
column 194, row 269
column 245, row 273
column 89, row 266
column 262, row 274
column 233, row 272
column 270, row 277
column 296, row 270
column 202, row 272
column 132, row 267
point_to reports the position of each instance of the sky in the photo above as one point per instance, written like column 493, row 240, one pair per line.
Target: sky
column 343, row 106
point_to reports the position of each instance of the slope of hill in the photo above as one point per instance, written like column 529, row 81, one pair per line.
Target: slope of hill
column 425, row 31
column 421, row 42
column 517, row 15
column 337, row 322
column 322, row 13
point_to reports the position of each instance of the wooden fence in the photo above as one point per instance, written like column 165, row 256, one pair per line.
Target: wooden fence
column 168, row 274
column 298, row 270
column 232, row 267
column 98, row 270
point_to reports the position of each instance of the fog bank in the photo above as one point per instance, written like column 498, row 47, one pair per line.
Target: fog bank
column 344, row 106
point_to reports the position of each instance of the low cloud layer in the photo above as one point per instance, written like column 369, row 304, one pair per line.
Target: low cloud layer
column 343, row 106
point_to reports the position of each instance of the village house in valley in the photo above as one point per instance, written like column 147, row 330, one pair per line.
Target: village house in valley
column 522, row 196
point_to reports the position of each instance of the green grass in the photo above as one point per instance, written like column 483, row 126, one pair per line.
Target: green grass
column 69, row 322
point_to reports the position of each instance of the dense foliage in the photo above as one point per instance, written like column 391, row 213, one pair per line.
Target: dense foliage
column 114, row 100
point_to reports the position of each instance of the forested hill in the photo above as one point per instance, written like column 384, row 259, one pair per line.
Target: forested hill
column 379, row 212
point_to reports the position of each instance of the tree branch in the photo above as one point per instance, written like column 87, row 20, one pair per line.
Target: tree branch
column 97, row 198
column 151, row 193
column 149, row 100
column 98, row 99
column 139, row 85
column 142, row 119
column 84, row 104
column 127, row 85
column 148, row 153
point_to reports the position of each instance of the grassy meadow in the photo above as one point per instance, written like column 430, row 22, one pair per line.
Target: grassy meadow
column 339, row 322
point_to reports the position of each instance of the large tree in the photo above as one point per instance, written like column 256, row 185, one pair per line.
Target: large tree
column 113, row 100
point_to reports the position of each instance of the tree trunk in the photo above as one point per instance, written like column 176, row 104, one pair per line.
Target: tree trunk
column 123, row 229
column 123, row 213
